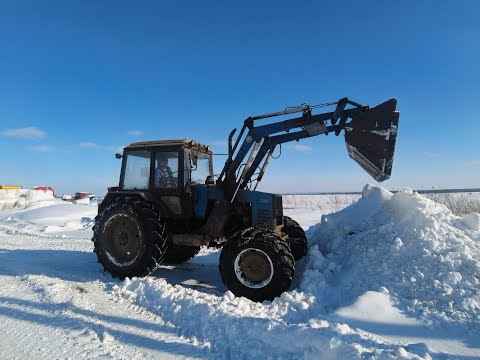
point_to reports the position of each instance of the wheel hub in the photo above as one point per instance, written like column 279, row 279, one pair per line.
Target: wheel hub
column 253, row 268
column 122, row 240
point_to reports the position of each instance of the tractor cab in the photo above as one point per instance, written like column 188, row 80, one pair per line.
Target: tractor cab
column 164, row 171
column 170, row 166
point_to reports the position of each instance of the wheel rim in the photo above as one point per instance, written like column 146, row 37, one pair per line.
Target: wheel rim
column 122, row 240
column 253, row 268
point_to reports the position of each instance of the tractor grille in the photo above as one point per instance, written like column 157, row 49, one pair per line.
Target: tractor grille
column 263, row 217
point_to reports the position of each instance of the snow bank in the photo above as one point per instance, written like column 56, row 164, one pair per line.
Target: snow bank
column 234, row 327
column 416, row 249
column 22, row 198
column 401, row 249
column 50, row 219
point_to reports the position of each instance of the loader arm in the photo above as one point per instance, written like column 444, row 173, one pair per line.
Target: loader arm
column 370, row 136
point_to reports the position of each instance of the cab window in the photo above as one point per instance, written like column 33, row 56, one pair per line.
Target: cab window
column 202, row 170
column 137, row 170
column 197, row 174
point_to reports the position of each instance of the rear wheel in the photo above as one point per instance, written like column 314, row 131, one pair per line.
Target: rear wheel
column 129, row 238
column 257, row 264
column 178, row 254
column 296, row 238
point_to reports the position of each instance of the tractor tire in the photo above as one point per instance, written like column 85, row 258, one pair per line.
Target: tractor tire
column 257, row 264
column 178, row 254
column 296, row 238
column 129, row 238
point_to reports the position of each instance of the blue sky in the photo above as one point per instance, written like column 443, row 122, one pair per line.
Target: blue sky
column 79, row 79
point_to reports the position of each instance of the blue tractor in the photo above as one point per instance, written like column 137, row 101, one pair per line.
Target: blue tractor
column 169, row 203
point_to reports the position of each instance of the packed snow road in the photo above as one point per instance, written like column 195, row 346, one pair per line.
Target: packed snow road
column 401, row 280
column 55, row 303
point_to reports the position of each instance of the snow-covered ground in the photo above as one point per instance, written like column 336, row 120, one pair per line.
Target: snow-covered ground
column 390, row 276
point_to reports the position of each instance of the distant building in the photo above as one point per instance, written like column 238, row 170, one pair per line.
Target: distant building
column 81, row 195
column 45, row 187
column 10, row 187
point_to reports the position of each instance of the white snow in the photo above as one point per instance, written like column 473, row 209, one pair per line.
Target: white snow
column 60, row 219
column 22, row 198
column 84, row 201
column 472, row 220
column 391, row 276
column 377, row 308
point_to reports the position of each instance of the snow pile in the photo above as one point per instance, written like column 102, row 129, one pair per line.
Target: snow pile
column 22, row 198
column 402, row 251
column 233, row 327
column 404, row 244
column 46, row 218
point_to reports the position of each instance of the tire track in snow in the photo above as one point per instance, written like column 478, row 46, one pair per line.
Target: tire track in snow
column 110, row 325
column 30, row 328
column 67, row 295
column 15, row 231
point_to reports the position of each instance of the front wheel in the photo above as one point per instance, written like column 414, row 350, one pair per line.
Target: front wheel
column 129, row 238
column 257, row 264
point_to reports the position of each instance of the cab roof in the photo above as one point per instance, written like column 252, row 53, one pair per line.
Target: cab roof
column 169, row 143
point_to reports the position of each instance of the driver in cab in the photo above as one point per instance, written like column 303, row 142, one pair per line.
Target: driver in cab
column 163, row 174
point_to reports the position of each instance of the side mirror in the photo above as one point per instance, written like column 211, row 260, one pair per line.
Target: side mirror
column 118, row 156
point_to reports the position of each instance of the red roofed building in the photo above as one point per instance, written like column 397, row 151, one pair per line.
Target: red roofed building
column 44, row 187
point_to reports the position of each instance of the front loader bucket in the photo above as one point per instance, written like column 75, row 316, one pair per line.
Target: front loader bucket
column 370, row 138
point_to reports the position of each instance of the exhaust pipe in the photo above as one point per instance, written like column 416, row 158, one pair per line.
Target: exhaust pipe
column 370, row 138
